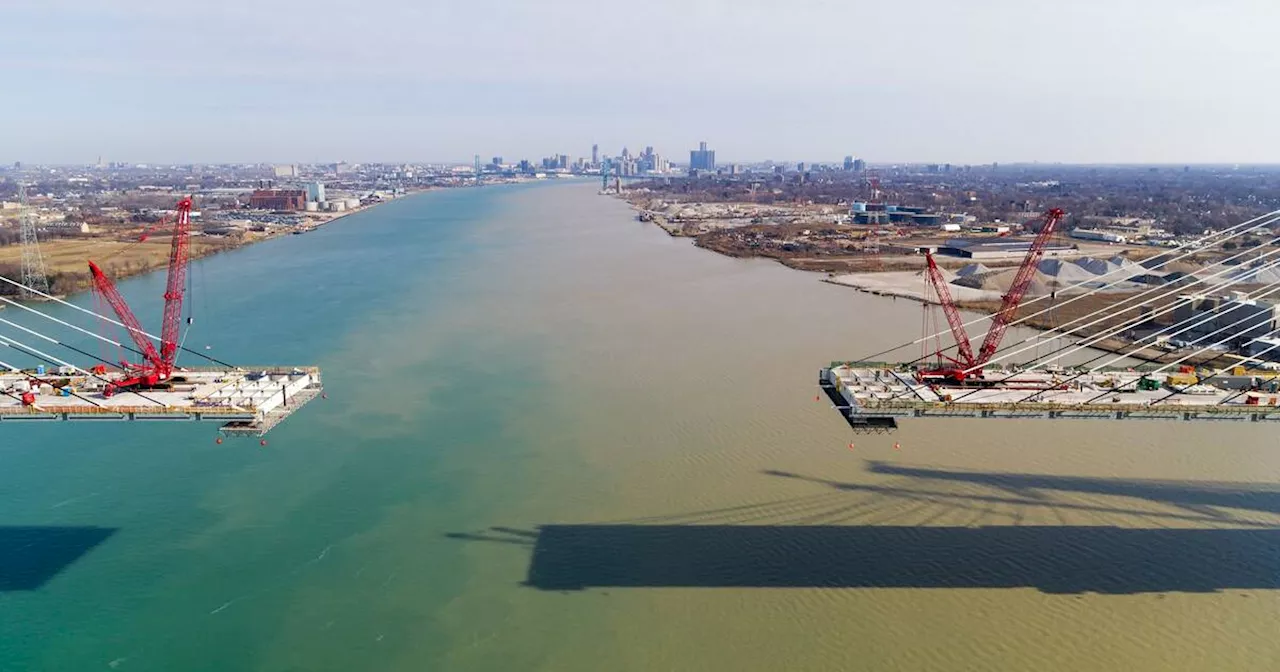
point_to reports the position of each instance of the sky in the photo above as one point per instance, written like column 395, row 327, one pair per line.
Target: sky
column 1081, row 81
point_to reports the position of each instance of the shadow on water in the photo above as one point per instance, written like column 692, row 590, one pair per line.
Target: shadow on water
column 1191, row 496
column 31, row 556
column 1175, row 536
column 1053, row 559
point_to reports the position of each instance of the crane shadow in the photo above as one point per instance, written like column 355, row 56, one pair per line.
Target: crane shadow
column 31, row 556
column 1173, row 536
column 1200, row 497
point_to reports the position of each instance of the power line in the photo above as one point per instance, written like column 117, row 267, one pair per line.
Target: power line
column 112, row 321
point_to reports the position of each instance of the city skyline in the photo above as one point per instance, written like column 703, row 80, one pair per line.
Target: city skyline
column 1124, row 81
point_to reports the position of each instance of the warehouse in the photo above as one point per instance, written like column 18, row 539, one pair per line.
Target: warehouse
column 998, row 248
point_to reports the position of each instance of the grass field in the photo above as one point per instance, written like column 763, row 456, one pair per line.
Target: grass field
column 66, row 259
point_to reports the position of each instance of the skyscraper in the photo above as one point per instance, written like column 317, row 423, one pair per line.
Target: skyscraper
column 595, row 155
column 702, row 158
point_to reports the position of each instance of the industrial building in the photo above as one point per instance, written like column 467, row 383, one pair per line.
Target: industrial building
column 315, row 192
column 881, row 213
column 1264, row 348
column 1227, row 318
column 997, row 248
column 1104, row 236
column 278, row 199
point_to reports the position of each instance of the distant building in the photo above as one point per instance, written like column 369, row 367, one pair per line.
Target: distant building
column 496, row 162
column 595, row 155
column 286, row 171
column 1265, row 348
column 859, row 165
column 1213, row 318
column 278, row 199
column 702, row 158
column 848, row 163
column 562, row 161
column 315, row 192
column 996, row 248
column 1104, row 236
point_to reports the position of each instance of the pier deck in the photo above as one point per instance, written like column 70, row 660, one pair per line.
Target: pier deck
column 873, row 397
column 248, row 401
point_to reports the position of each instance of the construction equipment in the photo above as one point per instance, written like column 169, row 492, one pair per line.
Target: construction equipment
column 159, row 364
column 968, row 365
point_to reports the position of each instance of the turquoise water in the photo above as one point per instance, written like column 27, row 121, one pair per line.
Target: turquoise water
column 216, row 545
column 501, row 362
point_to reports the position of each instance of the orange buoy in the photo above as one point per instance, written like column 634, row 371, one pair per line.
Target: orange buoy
column 897, row 446
column 817, row 398
column 218, row 440
column 850, row 445
column 262, row 442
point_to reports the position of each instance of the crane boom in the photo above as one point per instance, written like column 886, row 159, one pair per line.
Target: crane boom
column 949, row 308
column 107, row 289
column 159, row 364
column 174, row 290
column 1018, row 289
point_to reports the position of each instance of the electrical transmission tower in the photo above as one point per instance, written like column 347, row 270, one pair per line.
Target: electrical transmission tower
column 33, row 275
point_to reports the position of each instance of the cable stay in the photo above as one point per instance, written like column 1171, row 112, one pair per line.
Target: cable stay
column 1187, row 250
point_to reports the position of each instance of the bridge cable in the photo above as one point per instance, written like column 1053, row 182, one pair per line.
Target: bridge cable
column 1194, row 246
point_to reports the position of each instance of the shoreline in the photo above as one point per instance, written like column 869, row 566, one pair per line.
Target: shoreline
column 82, row 282
column 981, row 302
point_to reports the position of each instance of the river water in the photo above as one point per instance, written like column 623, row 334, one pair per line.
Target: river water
column 557, row 439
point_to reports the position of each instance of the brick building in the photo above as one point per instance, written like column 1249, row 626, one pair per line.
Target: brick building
column 278, row 199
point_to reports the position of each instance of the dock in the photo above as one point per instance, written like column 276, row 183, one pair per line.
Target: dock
column 248, row 402
column 873, row 397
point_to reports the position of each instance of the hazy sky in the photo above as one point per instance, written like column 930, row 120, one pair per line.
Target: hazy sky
column 961, row 81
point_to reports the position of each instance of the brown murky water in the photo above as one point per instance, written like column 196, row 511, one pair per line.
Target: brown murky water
column 704, row 512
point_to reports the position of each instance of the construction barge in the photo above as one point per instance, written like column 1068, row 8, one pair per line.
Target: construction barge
column 871, row 397
column 249, row 402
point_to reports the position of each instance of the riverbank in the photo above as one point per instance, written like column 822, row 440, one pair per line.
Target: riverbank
column 723, row 231
column 127, row 254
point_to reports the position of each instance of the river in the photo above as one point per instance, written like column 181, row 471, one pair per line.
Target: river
column 556, row 438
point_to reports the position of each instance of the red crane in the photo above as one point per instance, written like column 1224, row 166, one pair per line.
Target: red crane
column 158, row 365
column 967, row 364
